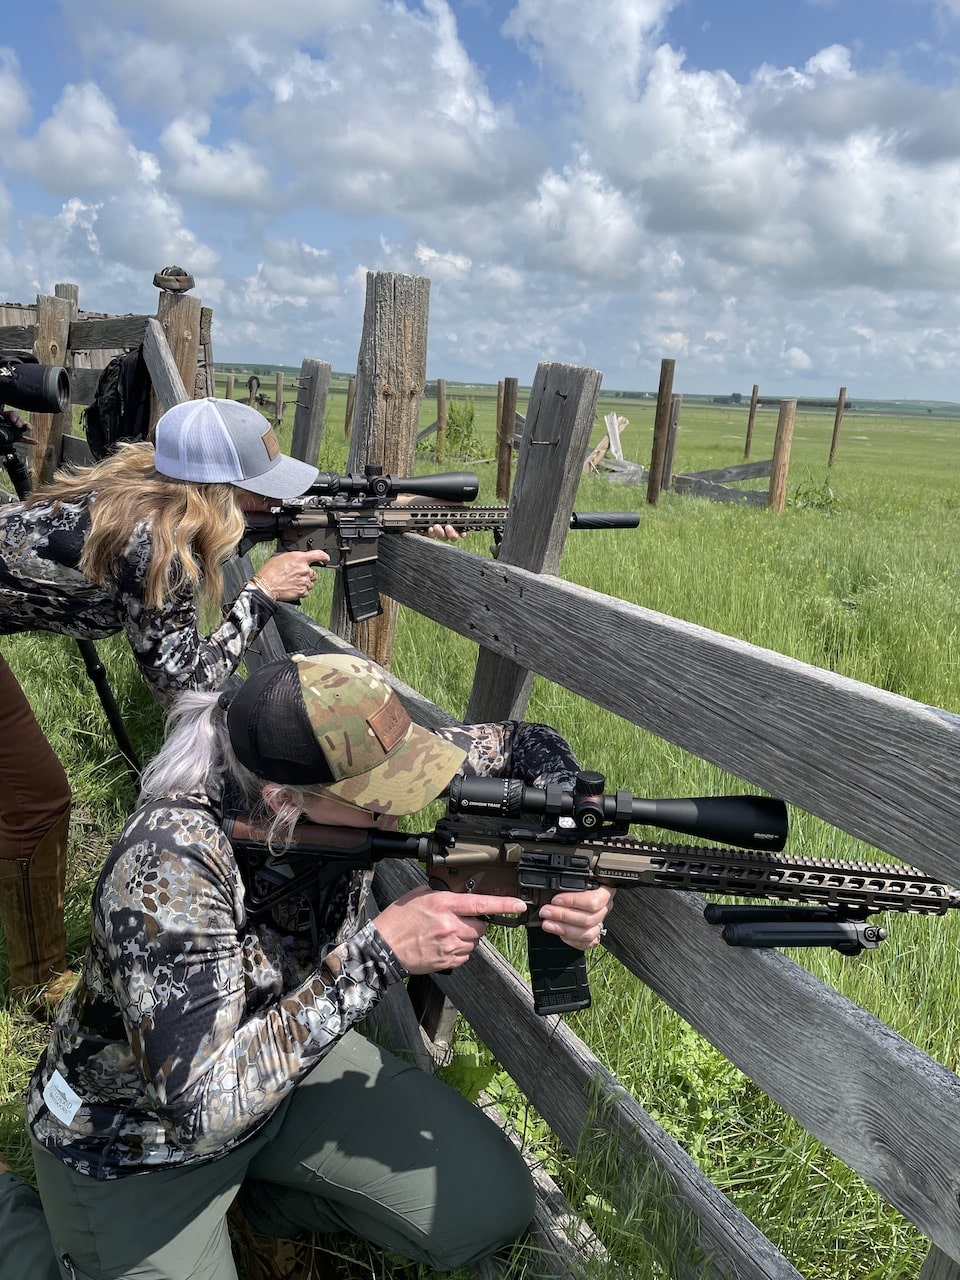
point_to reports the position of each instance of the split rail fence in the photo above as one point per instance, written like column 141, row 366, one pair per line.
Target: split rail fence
column 871, row 763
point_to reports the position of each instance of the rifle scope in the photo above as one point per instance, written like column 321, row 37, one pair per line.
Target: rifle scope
column 36, row 388
column 447, row 486
column 750, row 822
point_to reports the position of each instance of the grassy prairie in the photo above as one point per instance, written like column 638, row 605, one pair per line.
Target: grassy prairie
column 856, row 576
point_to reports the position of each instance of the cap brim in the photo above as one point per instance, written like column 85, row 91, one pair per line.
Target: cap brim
column 287, row 478
column 416, row 773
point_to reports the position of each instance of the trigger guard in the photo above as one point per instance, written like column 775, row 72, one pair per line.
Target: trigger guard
column 509, row 922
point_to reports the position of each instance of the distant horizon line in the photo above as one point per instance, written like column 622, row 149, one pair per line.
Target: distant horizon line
column 261, row 368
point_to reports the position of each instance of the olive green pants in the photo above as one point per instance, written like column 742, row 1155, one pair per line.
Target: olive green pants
column 26, row 1250
column 365, row 1144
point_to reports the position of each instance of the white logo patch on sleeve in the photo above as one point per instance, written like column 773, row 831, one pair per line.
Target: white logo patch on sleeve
column 63, row 1102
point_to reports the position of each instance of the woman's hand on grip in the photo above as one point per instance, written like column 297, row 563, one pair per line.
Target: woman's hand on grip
column 430, row 930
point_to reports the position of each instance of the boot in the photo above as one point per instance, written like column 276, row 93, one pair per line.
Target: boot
column 31, row 910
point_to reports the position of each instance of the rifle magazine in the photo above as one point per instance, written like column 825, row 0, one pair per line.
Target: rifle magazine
column 558, row 974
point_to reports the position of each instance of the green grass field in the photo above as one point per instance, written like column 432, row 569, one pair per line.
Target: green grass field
column 857, row 576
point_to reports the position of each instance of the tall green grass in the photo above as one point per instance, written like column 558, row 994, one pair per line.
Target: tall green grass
column 857, row 576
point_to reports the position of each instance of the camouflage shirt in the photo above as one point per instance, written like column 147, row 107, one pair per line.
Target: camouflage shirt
column 191, row 1021
column 42, row 589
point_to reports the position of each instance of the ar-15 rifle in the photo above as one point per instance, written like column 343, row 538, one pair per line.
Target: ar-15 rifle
column 347, row 515
column 501, row 837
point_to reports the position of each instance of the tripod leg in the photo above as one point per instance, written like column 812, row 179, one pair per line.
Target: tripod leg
column 97, row 673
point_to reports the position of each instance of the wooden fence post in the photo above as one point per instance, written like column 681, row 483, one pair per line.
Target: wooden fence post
column 777, row 493
column 391, row 374
column 661, row 430
column 841, row 402
column 506, row 429
column 441, row 418
column 51, row 347
column 71, row 293
column 278, row 400
column 559, row 420
column 753, row 413
column 676, row 403
column 228, row 392
column 311, row 409
column 179, row 316
column 206, row 375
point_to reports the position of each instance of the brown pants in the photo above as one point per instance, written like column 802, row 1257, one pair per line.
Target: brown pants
column 34, row 817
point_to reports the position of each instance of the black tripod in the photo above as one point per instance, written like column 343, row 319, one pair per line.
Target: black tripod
column 20, row 480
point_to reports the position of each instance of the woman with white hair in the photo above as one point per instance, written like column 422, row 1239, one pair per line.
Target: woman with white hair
column 210, row 1056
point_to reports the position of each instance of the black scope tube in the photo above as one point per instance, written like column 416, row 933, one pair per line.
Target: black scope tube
column 446, row 486
column 750, row 822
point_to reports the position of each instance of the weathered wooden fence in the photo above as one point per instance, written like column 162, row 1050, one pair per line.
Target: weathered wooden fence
column 876, row 765
column 869, row 762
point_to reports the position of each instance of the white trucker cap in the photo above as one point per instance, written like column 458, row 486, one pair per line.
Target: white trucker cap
column 225, row 442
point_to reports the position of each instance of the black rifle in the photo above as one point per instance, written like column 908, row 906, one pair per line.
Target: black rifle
column 44, row 388
column 501, row 837
column 347, row 515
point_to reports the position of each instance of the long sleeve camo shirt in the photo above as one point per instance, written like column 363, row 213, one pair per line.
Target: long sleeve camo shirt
column 42, row 589
column 192, row 1020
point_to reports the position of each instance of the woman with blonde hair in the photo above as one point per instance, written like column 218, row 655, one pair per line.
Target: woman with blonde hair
column 135, row 544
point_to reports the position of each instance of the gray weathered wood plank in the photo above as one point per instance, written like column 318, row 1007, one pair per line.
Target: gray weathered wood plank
column 939, row 1266
column 165, row 377
column 560, row 415
column 111, row 333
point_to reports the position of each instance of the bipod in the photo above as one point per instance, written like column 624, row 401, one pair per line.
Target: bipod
column 20, row 479
column 845, row 929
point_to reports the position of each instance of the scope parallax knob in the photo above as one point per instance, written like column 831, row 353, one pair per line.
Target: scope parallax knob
column 588, row 799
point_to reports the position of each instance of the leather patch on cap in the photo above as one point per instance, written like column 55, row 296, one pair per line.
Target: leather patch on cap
column 390, row 723
column 270, row 444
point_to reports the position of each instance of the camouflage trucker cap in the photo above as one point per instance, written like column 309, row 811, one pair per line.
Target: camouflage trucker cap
column 333, row 720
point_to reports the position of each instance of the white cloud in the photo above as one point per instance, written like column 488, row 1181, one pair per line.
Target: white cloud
column 232, row 174
column 443, row 266
column 82, row 147
column 14, row 95
column 626, row 202
column 599, row 50
column 796, row 360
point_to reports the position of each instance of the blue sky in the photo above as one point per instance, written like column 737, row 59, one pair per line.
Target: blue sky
column 763, row 192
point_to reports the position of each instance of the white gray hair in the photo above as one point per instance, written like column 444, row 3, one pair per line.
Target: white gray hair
column 196, row 754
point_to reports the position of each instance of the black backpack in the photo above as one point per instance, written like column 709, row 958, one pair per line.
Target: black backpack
column 121, row 404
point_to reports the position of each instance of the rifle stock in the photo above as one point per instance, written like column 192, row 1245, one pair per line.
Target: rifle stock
column 532, row 844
